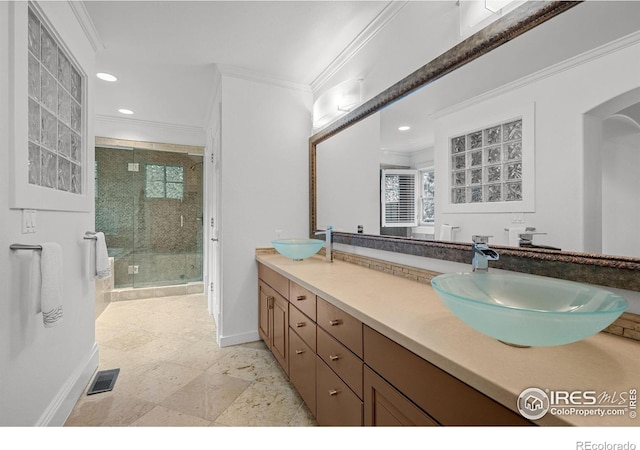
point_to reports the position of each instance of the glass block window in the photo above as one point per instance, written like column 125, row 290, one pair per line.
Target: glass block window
column 55, row 112
column 427, row 196
column 486, row 165
column 163, row 181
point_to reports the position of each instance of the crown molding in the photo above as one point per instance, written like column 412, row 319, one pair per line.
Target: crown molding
column 368, row 33
column 149, row 123
column 89, row 28
column 583, row 58
column 259, row 77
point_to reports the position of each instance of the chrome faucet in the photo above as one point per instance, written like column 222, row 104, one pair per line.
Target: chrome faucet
column 328, row 243
column 526, row 238
column 482, row 254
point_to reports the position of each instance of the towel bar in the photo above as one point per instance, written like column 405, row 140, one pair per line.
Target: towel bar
column 91, row 238
column 25, row 247
column 90, row 235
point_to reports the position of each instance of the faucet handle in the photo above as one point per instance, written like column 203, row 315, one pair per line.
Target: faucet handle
column 480, row 239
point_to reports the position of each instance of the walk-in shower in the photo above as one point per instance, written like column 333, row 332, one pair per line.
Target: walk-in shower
column 149, row 206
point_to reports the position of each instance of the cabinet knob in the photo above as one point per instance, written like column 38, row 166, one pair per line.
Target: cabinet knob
column 301, row 297
column 300, row 324
column 333, row 392
column 335, row 322
column 299, row 352
column 334, row 357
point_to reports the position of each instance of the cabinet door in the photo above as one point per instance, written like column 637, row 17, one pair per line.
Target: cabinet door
column 384, row 406
column 280, row 331
column 302, row 370
column 336, row 404
column 264, row 312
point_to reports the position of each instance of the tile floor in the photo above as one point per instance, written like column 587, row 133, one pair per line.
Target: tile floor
column 172, row 373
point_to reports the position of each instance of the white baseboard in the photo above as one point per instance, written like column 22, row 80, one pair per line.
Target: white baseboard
column 62, row 404
column 226, row 341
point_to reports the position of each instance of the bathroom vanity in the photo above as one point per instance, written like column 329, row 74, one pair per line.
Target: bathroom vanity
column 364, row 347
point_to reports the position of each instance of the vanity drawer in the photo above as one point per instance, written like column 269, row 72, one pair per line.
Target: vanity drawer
column 336, row 404
column 442, row 396
column 341, row 360
column 274, row 279
column 303, row 299
column 302, row 325
column 302, row 370
column 340, row 325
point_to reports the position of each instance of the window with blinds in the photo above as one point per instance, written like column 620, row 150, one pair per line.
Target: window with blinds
column 399, row 197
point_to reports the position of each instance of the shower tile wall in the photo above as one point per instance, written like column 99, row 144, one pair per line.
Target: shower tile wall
column 162, row 237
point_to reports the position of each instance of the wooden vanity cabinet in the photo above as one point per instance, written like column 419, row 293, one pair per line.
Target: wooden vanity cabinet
column 385, row 406
column 273, row 314
column 443, row 397
column 336, row 404
column 348, row 374
column 273, row 320
column 342, row 326
column 302, row 369
column 303, row 299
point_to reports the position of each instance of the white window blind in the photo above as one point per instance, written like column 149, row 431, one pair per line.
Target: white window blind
column 399, row 197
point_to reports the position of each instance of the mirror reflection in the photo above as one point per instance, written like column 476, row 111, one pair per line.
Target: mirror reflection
column 535, row 144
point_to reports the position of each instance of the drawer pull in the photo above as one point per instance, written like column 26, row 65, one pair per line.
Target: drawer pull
column 299, row 352
column 334, row 357
column 301, row 297
column 335, row 322
column 300, row 324
column 333, row 392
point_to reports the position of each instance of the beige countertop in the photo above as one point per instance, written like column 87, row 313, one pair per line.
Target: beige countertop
column 412, row 314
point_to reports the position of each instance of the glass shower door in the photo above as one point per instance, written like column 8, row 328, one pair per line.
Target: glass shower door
column 149, row 205
column 168, row 219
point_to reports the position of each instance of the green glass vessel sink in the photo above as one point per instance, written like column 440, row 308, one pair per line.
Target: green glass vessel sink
column 297, row 249
column 527, row 310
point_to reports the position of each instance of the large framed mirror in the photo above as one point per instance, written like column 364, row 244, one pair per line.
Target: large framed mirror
column 528, row 132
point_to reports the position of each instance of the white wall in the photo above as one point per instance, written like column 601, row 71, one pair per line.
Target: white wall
column 561, row 99
column 345, row 199
column 264, row 188
column 43, row 370
column 620, row 187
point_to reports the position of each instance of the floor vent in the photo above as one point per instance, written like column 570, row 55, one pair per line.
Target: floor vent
column 104, row 381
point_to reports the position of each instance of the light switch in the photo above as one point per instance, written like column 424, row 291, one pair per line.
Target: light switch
column 517, row 218
column 28, row 221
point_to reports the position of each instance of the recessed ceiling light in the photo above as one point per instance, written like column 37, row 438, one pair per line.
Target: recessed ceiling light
column 404, row 128
column 106, row 76
column 125, row 111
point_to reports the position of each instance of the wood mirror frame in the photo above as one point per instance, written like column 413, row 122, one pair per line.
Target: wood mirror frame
column 604, row 270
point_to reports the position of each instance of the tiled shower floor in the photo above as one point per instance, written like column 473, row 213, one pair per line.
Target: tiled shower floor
column 172, row 373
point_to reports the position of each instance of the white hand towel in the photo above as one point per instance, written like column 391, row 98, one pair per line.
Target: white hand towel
column 514, row 235
column 103, row 268
column 446, row 232
column 51, row 284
